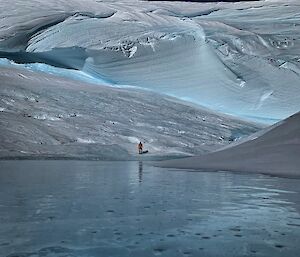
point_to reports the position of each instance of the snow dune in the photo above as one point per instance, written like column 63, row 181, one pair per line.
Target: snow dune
column 273, row 151
column 238, row 58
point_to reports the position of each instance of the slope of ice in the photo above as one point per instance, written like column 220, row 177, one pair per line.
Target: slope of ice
column 48, row 69
column 47, row 116
column 274, row 151
column 239, row 58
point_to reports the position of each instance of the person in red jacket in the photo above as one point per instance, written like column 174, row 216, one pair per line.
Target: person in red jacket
column 140, row 147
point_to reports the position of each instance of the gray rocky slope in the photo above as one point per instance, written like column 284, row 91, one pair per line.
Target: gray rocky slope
column 45, row 116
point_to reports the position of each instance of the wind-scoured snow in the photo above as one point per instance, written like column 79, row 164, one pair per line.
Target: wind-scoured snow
column 274, row 151
column 238, row 58
column 47, row 116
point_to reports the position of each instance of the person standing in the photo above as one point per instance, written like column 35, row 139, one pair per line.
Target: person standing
column 140, row 147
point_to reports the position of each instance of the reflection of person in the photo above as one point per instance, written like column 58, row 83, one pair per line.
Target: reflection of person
column 140, row 172
column 140, row 147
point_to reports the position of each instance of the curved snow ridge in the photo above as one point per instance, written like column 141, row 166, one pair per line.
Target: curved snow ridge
column 180, row 13
column 173, row 59
column 90, row 33
column 20, row 38
column 25, row 20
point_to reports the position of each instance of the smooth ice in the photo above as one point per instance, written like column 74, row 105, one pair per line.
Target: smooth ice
column 91, row 208
column 273, row 151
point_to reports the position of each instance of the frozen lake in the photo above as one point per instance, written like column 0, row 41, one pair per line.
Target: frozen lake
column 95, row 209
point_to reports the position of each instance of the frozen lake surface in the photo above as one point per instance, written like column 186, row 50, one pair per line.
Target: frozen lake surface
column 95, row 209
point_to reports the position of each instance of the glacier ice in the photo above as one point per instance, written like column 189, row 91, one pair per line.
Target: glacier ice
column 238, row 58
column 47, row 116
column 131, row 209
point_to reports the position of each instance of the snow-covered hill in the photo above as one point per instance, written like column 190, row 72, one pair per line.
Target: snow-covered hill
column 274, row 151
column 46, row 116
column 238, row 58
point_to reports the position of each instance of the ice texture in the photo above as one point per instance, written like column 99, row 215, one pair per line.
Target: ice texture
column 131, row 209
column 47, row 116
column 238, row 58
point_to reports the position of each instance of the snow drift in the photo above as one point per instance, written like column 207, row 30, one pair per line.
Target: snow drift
column 238, row 58
column 274, row 151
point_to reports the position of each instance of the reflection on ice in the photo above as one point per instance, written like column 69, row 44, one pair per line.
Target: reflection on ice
column 140, row 172
column 82, row 208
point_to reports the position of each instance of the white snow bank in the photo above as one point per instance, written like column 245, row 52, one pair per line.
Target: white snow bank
column 45, row 116
column 274, row 151
column 85, row 140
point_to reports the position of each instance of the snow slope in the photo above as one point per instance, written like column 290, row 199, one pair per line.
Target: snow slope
column 47, row 116
column 238, row 58
column 274, row 151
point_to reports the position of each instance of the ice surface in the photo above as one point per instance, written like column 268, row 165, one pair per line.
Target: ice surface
column 130, row 209
column 46, row 116
column 239, row 58
column 48, row 69
column 274, row 151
